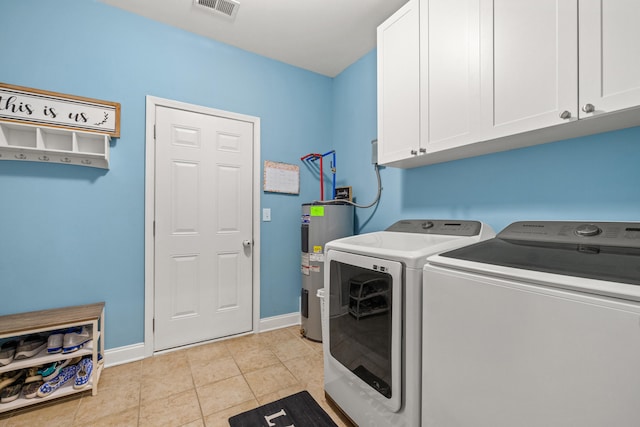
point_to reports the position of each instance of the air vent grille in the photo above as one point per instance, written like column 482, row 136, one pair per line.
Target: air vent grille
column 228, row 8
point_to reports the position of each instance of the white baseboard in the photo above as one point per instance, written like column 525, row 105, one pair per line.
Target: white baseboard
column 133, row 352
column 278, row 322
column 126, row 354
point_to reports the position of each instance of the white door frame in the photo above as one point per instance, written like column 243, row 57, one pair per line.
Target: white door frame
column 149, row 214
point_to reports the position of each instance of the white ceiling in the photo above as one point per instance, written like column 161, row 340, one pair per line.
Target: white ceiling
column 324, row 36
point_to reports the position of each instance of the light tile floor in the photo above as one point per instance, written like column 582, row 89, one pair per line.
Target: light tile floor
column 195, row 387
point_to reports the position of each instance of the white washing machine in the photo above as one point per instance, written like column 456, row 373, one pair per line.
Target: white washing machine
column 373, row 316
column 537, row 327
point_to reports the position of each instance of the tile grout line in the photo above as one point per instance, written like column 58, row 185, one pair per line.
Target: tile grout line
column 243, row 378
column 195, row 389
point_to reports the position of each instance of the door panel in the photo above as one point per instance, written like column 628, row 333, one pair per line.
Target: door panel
column 609, row 55
column 184, row 218
column 450, row 73
column 529, row 57
column 203, row 277
column 399, row 84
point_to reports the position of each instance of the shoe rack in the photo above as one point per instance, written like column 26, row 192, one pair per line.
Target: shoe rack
column 44, row 321
column 53, row 145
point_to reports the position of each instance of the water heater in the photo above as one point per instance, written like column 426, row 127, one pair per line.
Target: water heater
column 321, row 223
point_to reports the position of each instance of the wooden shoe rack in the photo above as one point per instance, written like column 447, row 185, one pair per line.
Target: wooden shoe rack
column 45, row 321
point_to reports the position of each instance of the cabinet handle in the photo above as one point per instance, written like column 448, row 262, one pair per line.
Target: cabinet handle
column 423, row 150
column 566, row 114
column 414, row 152
column 588, row 108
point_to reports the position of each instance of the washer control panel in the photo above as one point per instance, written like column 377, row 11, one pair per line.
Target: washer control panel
column 437, row 226
column 623, row 234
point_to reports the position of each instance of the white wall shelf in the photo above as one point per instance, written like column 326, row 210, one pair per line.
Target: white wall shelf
column 53, row 145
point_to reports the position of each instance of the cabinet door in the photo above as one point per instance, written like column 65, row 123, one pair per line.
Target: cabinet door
column 529, row 64
column 609, row 55
column 399, row 85
column 449, row 73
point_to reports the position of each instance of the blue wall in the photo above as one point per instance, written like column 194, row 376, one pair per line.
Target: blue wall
column 355, row 126
column 73, row 235
column 593, row 178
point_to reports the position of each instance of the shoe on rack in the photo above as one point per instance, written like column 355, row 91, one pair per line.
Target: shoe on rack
column 30, row 390
column 30, row 346
column 51, row 371
column 7, row 351
column 54, row 343
column 47, row 370
column 75, row 340
column 11, row 392
column 83, row 373
column 67, row 373
column 33, row 374
column 8, row 378
column 55, row 340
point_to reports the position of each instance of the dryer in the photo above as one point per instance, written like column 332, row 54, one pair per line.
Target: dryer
column 373, row 315
column 539, row 326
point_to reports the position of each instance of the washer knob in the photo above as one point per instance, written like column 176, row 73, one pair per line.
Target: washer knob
column 427, row 224
column 587, row 230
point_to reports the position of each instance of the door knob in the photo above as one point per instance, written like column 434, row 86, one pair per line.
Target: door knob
column 566, row 114
column 246, row 243
column 588, row 108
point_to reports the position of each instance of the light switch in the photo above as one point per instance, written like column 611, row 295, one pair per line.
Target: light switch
column 266, row 214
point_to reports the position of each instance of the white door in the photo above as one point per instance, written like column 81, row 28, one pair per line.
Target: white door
column 449, row 73
column 399, row 85
column 529, row 64
column 203, row 227
column 609, row 55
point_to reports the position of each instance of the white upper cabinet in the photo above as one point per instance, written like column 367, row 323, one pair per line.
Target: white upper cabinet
column 492, row 75
column 450, row 110
column 609, row 56
column 398, row 85
column 529, row 65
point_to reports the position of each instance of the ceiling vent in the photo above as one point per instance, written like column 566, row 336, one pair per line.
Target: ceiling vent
column 227, row 8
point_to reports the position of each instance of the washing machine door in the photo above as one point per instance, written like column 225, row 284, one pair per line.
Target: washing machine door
column 364, row 327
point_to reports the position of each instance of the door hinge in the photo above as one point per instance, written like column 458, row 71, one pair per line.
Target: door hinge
column 154, row 229
column 154, row 131
column 153, row 325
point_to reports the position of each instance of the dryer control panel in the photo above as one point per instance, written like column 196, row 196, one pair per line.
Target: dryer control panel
column 437, row 226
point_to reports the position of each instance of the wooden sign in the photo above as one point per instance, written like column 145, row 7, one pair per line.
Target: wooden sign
column 39, row 107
